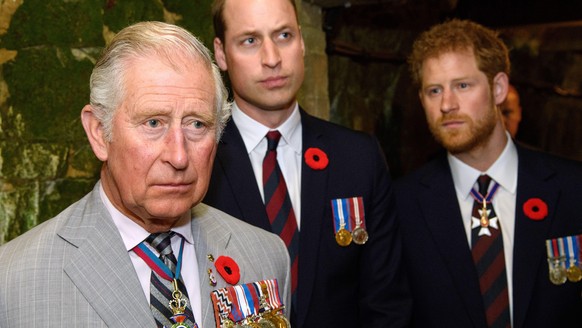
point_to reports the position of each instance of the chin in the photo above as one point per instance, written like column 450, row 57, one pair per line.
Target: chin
column 455, row 144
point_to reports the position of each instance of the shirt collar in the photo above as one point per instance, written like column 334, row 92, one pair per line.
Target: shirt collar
column 503, row 171
column 131, row 232
column 253, row 132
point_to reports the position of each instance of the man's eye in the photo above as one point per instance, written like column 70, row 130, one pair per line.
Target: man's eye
column 433, row 91
column 198, row 125
column 153, row 123
column 249, row 41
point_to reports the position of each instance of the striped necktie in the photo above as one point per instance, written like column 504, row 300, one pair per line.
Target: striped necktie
column 487, row 250
column 278, row 205
column 160, row 288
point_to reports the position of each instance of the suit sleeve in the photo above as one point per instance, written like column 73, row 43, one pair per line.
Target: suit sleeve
column 385, row 297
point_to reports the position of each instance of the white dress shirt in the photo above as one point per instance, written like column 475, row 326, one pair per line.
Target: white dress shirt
column 133, row 234
column 504, row 172
column 289, row 151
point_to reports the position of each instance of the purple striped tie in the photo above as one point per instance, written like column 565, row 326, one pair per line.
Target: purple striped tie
column 278, row 204
column 490, row 263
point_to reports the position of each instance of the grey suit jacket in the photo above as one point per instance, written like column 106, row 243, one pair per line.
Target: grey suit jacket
column 74, row 270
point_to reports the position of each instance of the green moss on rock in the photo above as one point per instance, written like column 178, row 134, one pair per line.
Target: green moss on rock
column 32, row 160
column 57, row 195
column 60, row 23
column 119, row 14
column 49, row 86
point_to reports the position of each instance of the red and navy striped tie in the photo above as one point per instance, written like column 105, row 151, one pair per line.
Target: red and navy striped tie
column 490, row 264
column 278, row 204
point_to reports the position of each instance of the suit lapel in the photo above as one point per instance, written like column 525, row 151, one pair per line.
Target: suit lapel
column 313, row 198
column 236, row 165
column 442, row 216
column 207, row 240
column 101, row 269
column 211, row 237
column 529, row 256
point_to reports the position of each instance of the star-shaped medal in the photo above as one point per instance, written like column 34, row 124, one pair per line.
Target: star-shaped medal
column 484, row 222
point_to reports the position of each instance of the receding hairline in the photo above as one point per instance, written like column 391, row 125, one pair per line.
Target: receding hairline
column 219, row 24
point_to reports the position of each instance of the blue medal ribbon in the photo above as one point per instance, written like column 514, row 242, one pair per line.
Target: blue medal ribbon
column 158, row 265
column 341, row 212
column 477, row 195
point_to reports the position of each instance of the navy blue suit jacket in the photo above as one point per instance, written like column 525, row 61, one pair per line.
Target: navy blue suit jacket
column 354, row 286
column 438, row 260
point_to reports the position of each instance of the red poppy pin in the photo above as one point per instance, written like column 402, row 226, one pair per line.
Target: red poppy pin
column 316, row 158
column 535, row 209
column 228, row 269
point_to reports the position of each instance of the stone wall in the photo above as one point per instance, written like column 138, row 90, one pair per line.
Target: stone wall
column 47, row 51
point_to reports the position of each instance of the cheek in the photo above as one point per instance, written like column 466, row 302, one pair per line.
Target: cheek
column 204, row 155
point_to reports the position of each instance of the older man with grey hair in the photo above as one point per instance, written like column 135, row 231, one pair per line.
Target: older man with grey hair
column 140, row 250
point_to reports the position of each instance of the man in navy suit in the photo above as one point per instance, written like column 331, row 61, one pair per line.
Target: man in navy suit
column 348, row 264
column 462, row 71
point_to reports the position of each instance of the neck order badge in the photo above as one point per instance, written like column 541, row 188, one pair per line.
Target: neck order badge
column 168, row 269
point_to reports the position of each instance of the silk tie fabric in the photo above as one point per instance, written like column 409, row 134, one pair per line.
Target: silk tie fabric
column 278, row 204
column 489, row 261
column 160, row 288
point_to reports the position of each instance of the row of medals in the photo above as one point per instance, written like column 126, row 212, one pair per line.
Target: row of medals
column 559, row 274
column 267, row 317
column 343, row 237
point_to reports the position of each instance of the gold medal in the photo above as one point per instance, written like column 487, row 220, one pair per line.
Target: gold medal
column 178, row 306
column 558, row 274
column 226, row 322
column 278, row 319
column 360, row 236
column 574, row 273
column 272, row 318
column 265, row 323
column 343, row 237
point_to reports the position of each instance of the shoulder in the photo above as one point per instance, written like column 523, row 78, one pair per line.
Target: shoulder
column 326, row 128
column 543, row 164
column 214, row 221
column 29, row 251
column 435, row 168
column 260, row 253
column 346, row 148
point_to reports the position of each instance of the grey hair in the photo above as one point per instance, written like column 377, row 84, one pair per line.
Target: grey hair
column 139, row 40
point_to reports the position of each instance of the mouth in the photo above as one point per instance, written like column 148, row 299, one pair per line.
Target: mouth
column 454, row 123
column 274, row 82
column 175, row 187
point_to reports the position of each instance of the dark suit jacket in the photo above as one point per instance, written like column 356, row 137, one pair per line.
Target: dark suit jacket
column 354, row 286
column 438, row 260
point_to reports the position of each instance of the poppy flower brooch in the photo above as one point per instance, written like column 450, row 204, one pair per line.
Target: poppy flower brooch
column 535, row 209
column 316, row 159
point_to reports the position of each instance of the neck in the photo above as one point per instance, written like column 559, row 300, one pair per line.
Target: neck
column 484, row 155
column 272, row 118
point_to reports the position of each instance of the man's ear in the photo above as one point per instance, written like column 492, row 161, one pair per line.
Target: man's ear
column 219, row 54
column 94, row 130
column 302, row 42
column 500, row 87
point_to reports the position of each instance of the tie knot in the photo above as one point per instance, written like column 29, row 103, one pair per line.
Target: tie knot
column 273, row 139
column 162, row 242
column 483, row 183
